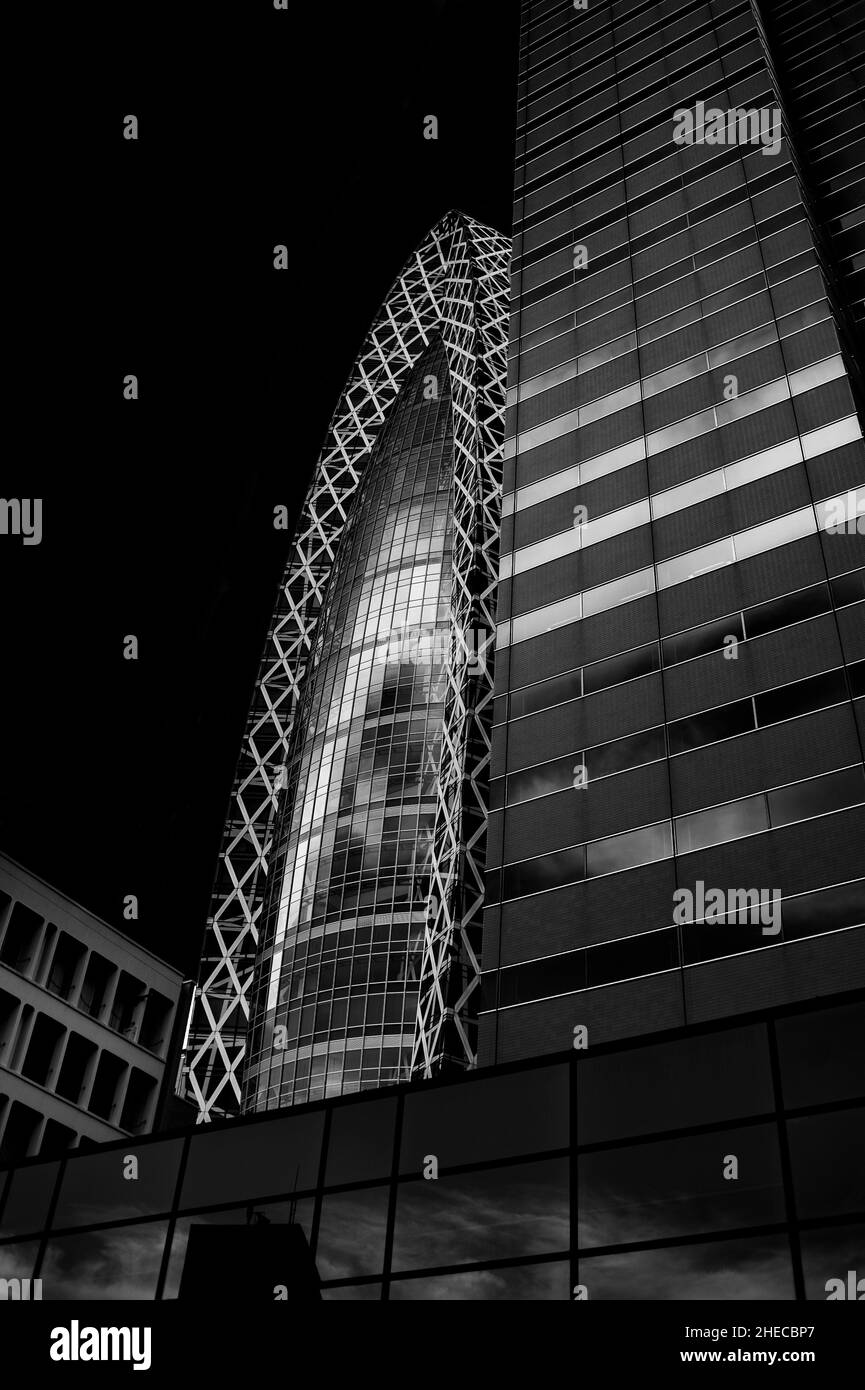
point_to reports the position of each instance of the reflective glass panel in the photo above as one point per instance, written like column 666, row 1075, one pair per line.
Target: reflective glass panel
column 253, row 1161
column 361, row 1142
column 729, row 822
column 756, row 1270
column 829, row 1258
column 351, row 1233
column 497, row 1213
column 28, row 1198
column 677, row 1187
column 821, row 1055
column 113, row 1264
column 626, row 851
column 122, row 1183
column 817, row 796
column 483, row 1119
column 828, row 1157
column 704, row 1078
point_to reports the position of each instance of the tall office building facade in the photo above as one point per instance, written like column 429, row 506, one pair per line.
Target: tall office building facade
column 678, row 723
column 342, row 949
column 680, row 657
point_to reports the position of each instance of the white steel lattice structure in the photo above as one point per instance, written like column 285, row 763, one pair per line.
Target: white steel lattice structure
column 455, row 285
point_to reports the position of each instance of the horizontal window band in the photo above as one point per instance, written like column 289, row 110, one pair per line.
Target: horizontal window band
column 704, row 728
column 813, row 913
column 650, row 844
column 657, row 330
column 756, row 179
column 739, row 51
column 720, row 157
column 626, row 63
column 759, row 302
column 555, row 38
column 750, row 64
column 630, row 248
column 723, row 412
column 756, row 540
column 683, row 369
column 671, row 173
column 658, row 505
column 655, row 383
column 626, row 250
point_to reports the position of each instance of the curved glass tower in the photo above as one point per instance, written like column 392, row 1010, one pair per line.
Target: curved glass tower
column 342, row 950
column 342, row 936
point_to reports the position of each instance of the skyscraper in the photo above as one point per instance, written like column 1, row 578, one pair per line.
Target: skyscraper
column 679, row 660
column 669, row 1100
column 673, row 825
column 350, row 881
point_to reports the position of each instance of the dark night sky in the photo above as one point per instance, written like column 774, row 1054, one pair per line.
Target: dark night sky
column 256, row 127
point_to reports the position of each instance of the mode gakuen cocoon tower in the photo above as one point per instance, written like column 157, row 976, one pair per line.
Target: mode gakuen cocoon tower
column 342, row 947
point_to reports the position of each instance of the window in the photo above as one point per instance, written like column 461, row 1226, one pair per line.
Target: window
column 817, row 796
column 710, row 637
column 547, row 693
column 497, row 1213
column 827, row 1153
column 637, row 955
column 849, row 588
column 782, row 531
column 19, row 944
column 626, row 851
column 821, row 1055
column 695, row 562
column 732, row 821
column 802, row 697
column 555, row 615
column 608, row 758
column 542, row 781
column 711, row 726
column 830, row 1254
column 68, row 954
column 819, row 372
column 361, row 1142
column 575, row 538
column 613, row 460
column 94, row 1188
column 763, row 464
column 542, row 979
column 623, row 590
column 809, row 914
column 677, row 499
column 707, row 1078
column 760, row 1268
column 474, row 1122
column 676, row 1187
column 547, row 871
column 533, row 493
column 109, row 1264
column 231, row 1165
column 613, row 670
column 351, row 1234
column 660, row 440
column 792, row 608
column 18, row 1260
column 28, row 1198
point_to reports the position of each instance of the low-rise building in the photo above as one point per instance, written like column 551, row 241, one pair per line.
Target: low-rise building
column 86, row 1018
